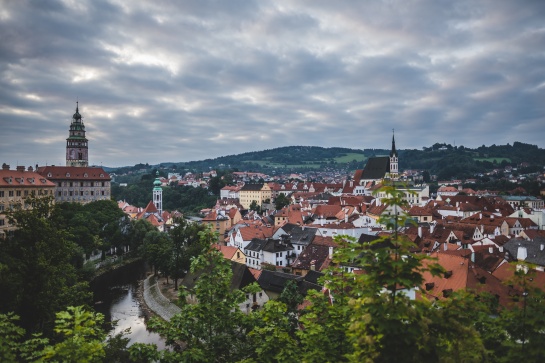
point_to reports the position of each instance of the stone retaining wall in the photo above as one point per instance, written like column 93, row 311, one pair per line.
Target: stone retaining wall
column 156, row 301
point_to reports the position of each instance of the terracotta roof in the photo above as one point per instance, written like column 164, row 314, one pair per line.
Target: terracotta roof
column 24, row 179
column 227, row 251
column 74, row 172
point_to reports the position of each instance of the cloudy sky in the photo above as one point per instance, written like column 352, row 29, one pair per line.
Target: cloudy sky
column 181, row 80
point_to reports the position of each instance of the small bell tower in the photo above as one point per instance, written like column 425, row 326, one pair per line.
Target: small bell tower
column 76, row 143
column 394, row 171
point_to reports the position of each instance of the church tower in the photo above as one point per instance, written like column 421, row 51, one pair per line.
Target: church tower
column 76, row 144
column 158, row 194
column 394, row 171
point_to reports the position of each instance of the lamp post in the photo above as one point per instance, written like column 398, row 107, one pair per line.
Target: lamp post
column 524, row 296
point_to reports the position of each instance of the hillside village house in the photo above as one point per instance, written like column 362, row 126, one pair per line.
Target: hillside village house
column 254, row 192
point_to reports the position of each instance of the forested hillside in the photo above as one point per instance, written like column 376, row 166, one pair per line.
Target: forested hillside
column 444, row 160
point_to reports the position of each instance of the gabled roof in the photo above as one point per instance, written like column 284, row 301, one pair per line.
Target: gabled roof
column 242, row 277
column 73, row 172
column 227, row 251
column 313, row 255
column 23, row 179
column 376, row 168
column 534, row 249
column 252, row 187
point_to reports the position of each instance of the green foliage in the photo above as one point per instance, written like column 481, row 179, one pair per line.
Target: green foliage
column 281, row 201
column 186, row 243
column 255, row 206
column 10, row 337
column 156, row 250
column 82, row 337
column 214, row 329
column 41, row 277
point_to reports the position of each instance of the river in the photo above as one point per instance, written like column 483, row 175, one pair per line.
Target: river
column 115, row 296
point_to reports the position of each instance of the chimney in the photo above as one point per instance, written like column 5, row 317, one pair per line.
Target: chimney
column 432, row 228
column 20, row 168
column 542, row 247
column 5, row 166
column 522, row 253
column 313, row 265
column 490, row 249
column 30, row 168
column 331, row 252
column 322, row 221
column 420, row 231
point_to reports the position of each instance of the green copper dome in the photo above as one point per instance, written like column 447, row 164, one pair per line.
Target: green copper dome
column 157, row 182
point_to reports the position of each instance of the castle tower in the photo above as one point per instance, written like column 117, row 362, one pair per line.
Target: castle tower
column 394, row 171
column 76, row 144
column 158, row 194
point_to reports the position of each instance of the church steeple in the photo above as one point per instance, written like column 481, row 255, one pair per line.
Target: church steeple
column 393, row 152
column 77, row 143
column 394, row 171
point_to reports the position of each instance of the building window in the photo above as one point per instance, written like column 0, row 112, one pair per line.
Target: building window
column 71, row 184
column 1, row 207
column 71, row 193
column 2, row 194
column 60, row 184
column 10, row 193
column 2, row 222
column 59, row 194
column 26, row 193
column 18, row 193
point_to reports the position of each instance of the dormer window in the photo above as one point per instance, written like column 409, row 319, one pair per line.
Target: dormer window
column 68, row 175
column 49, row 175
column 85, row 175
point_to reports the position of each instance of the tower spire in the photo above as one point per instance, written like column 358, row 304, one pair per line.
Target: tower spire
column 393, row 152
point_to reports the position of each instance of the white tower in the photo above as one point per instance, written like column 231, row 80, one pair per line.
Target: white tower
column 394, row 171
column 158, row 194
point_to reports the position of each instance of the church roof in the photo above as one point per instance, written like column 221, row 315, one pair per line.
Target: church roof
column 376, row 168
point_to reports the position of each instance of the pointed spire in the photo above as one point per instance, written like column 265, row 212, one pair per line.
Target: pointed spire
column 77, row 116
column 393, row 152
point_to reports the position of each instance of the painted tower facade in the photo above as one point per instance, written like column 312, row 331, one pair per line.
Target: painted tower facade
column 158, row 194
column 394, row 171
column 77, row 151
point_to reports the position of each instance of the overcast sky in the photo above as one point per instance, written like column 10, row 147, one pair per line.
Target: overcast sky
column 176, row 80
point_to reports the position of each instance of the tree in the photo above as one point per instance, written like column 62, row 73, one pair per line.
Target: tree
column 214, row 328
column 254, row 206
column 291, row 297
column 186, row 245
column 365, row 316
column 156, row 250
column 39, row 277
column 281, row 201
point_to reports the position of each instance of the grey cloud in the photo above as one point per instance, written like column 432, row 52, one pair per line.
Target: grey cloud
column 186, row 80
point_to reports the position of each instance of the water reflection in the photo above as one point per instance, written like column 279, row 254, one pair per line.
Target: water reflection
column 125, row 308
column 115, row 296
